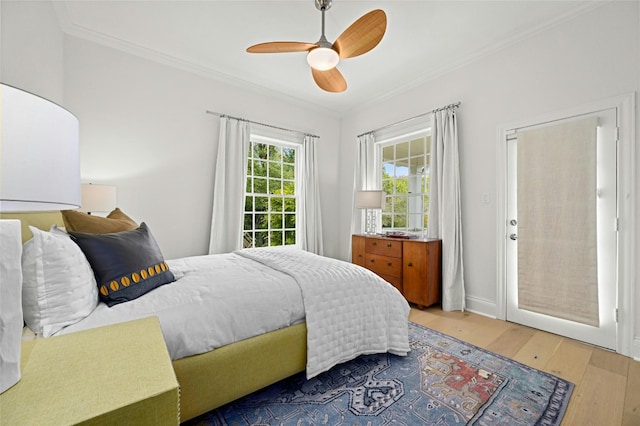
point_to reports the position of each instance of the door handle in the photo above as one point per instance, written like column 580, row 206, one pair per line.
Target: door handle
column 513, row 236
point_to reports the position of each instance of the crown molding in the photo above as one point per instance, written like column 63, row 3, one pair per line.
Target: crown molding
column 461, row 62
column 73, row 29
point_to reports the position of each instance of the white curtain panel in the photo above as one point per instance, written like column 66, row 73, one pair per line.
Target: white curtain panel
column 310, row 220
column 445, row 215
column 366, row 176
column 229, row 186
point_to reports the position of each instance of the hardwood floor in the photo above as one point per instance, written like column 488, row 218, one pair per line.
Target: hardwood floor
column 607, row 391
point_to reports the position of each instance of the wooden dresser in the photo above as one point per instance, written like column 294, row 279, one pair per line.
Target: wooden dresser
column 413, row 266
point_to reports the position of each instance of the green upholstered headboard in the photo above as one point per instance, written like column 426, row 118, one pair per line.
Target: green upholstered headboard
column 41, row 220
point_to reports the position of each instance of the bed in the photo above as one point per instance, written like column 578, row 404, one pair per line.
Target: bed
column 233, row 323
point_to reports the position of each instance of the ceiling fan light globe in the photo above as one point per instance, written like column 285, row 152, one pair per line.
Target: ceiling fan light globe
column 322, row 58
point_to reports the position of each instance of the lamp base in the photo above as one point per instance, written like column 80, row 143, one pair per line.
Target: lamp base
column 371, row 224
column 10, row 302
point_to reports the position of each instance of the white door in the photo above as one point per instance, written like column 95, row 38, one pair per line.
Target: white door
column 602, row 258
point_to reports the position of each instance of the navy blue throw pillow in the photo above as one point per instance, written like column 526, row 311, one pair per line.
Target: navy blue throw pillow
column 126, row 264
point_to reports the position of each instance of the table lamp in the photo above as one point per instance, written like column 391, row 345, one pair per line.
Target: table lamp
column 39, row 171
column 98, row 198
column 370, row 201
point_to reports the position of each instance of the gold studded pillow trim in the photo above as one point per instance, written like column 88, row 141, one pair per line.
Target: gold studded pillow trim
column 126, row 264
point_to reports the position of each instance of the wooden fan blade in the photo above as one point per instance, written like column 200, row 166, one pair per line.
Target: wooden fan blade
column 329, row 80
column 362, row 36
column 281, row 47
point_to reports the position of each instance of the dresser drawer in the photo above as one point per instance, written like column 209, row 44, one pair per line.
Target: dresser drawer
column 413, row 266
column 384, row 265
column 383, row 247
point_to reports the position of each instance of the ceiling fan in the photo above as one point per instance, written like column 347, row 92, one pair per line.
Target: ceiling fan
column 362, row 36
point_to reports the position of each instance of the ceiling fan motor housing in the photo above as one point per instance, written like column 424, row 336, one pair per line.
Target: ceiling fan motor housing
column 323, row 4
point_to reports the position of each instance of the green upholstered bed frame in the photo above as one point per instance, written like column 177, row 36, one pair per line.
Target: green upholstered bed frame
column 40, row 220
column 214, row 378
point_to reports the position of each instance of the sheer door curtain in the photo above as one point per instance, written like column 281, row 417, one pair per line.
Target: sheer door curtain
column 557, row 221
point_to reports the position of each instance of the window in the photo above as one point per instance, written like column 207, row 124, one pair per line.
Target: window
column 270, row 201
column 405, row 178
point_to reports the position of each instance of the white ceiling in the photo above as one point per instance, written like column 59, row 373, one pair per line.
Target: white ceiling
column 423, row 39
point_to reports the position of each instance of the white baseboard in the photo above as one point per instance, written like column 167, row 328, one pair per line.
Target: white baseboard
column 488, row 308
column 480, row 306
column 635, row 349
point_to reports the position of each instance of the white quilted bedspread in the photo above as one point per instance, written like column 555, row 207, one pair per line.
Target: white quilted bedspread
column 349, row 310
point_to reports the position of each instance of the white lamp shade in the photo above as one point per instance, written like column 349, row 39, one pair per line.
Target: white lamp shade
column 39, row 154
column 370, row 199
column 39, row 171
column 98, row 198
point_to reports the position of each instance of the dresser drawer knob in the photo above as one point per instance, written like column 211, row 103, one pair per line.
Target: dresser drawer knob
column 389, row 263
column 373, row 261
column 409, row 264
column 389, row 245
column 374, row 243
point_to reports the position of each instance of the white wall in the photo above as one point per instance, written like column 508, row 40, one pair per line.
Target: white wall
column 31, row 48
column 143, row 128
column 591, row 57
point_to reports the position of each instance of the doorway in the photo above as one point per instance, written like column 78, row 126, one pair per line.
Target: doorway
column 561, row 250
column 562, row 258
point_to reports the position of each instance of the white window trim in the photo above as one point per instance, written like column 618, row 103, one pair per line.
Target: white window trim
column 398, row 136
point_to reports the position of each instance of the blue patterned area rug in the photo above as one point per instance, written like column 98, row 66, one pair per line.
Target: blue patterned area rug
column 443, row 381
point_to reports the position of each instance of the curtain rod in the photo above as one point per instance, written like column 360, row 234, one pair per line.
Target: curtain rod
column 261, row 124
column 450, row 106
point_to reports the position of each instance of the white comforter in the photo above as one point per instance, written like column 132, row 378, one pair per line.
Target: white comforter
column 215, row 300
column 349, row 310
column 221, row 299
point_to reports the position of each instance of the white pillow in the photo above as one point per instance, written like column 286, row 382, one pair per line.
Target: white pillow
column 59, row 287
